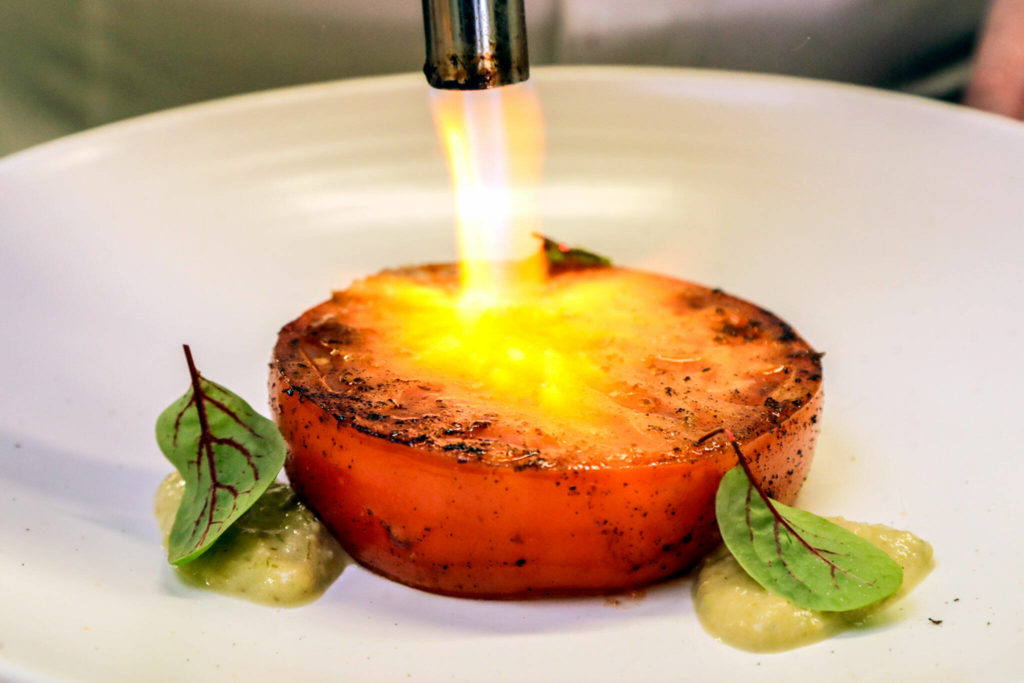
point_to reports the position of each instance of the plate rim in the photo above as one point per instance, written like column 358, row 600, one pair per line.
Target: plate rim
column 392, row 82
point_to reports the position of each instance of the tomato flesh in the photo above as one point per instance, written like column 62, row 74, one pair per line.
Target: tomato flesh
column 444, row 484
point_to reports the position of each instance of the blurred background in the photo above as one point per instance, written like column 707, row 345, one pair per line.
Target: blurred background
column 66, row 65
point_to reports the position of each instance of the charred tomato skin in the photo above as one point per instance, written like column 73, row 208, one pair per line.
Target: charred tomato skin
column 434, row 519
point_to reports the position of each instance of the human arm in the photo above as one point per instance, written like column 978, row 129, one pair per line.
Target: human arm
column 997, row 83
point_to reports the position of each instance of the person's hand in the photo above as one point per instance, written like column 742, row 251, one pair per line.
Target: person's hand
column 997, row 84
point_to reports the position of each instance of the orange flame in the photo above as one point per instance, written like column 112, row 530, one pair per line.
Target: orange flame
column 494, row 141
column 505, row 332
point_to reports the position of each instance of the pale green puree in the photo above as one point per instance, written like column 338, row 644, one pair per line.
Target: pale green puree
column 278, row 553
column 737, row 610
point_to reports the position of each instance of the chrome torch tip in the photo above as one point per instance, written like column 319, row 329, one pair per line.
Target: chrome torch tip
column 475, row 44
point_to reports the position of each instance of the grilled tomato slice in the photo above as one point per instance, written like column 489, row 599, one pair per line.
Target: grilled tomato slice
column 545, row 446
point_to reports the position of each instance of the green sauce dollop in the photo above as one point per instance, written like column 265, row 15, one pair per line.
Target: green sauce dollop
column 738, row 611
column 278, row 553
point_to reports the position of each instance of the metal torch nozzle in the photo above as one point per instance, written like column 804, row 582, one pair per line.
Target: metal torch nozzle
column 475, row 44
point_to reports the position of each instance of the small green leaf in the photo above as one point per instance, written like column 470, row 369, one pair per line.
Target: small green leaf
column 804, row 558
column 227, row 453
column 564, row 256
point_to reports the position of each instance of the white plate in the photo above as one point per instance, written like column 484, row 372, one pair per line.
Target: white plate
column 887, row 229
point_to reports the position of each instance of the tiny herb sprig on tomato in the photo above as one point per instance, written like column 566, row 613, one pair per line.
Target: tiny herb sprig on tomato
column 795, row 554
column 562, row 255
column 227, row 453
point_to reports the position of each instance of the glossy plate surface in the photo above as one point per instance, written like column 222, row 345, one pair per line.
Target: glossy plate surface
column 886, row 229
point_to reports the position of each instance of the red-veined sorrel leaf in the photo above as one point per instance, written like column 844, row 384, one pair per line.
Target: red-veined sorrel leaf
column 804, row 558
column 562, row 255
column 226, row 452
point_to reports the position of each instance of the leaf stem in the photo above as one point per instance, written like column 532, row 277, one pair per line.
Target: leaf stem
column 750, row 476
column 731, row 438
column 197, row 390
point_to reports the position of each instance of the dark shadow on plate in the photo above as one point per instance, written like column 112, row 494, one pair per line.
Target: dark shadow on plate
column 115, row 496
column 359, row 595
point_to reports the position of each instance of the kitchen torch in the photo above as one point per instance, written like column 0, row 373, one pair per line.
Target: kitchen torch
column 475, row 44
